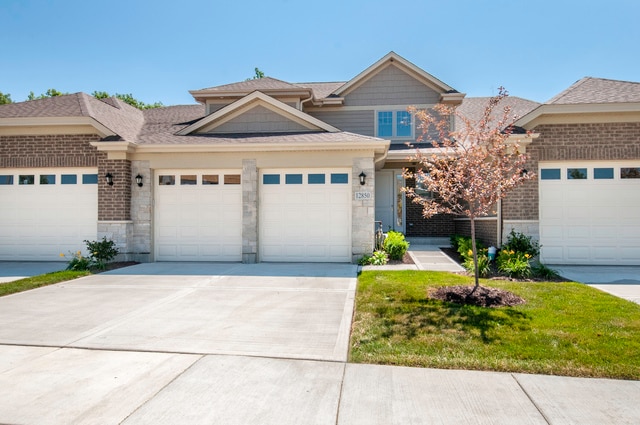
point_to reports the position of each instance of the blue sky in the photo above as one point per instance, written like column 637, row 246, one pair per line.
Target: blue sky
column 158, row 50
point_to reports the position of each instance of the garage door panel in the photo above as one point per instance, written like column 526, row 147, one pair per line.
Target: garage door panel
column 198, row 222
column 303, row 222
column 589, row 221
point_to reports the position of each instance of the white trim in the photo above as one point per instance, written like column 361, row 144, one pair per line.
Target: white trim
column 246, row 102
column 366, row 107
column 536, row 116
column 56, row 121
column 394, row 124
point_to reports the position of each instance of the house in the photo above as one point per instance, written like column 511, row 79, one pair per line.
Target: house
column 266, row 170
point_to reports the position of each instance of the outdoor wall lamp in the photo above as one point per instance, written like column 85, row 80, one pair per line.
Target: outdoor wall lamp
column 109, row 178
column 362, row 176
column 139, row 180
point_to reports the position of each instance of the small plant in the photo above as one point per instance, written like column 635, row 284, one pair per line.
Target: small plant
column 101, row 252
column 378, row 258
column 514, row 264
column 455, row 241
column 543, row 272
column 78, row 262
column 484, row 265
column 395, row 245
column 465, row 247
column 519, row 242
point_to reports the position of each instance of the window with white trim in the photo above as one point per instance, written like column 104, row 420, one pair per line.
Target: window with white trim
column 394, row 125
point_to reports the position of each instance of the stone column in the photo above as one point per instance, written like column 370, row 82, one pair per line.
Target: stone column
column 363, row 209
column 249, row 211
column 141, row 212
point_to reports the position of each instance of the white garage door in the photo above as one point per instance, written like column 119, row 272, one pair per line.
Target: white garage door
column 198, row 215
column 590, row 213
column 46, row 212
column 305, row 215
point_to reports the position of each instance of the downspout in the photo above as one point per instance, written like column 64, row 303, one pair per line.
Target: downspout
column 499, row 223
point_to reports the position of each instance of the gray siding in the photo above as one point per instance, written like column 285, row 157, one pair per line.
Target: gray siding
column 360, row 122
column 259, row 120
column 392, row 86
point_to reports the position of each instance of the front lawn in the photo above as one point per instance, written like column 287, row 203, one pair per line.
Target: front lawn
column 564, row 328
column 40, row 280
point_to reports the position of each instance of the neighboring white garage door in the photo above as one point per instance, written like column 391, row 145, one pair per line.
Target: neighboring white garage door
column 46, row 212
column 305, row 215
column 198, row 215
column 590, row 213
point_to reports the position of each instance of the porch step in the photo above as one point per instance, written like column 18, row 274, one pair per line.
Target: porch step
column 442, row 242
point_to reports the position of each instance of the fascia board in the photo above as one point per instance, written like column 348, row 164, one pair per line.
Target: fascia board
column 127, row 147
column 264, row 147
column 56, row 121
column 537, row 116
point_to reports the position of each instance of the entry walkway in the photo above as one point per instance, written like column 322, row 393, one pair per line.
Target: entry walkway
column 425, row 257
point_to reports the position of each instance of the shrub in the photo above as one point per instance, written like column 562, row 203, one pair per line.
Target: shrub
column 513, row 263
column 101, row 252
column 484, row 265
column 78, row 261
column 378, row 258
column 395, row 245
column 465, row 247
column 543, row 272
column 455, row 241
column 519, row 242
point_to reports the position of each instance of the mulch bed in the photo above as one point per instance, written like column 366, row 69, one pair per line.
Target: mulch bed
column 483, row 296
column 406, row 259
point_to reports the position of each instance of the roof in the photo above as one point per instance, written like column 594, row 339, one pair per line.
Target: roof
column 473, row 108
column 322, row 90
column 265, row 83
column 598, row 90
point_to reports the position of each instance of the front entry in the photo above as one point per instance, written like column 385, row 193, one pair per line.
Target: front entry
column 390, row 200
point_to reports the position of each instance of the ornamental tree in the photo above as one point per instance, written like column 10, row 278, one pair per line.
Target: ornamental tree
column 469, row 168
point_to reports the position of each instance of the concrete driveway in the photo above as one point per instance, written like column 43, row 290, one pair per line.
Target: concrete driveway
column 14, row 270
column 621, row 281
column 246, row 344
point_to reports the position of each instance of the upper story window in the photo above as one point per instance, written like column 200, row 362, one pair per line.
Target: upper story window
column 394, row 125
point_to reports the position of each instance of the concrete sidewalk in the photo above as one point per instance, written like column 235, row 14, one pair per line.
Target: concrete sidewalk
column 425, row 257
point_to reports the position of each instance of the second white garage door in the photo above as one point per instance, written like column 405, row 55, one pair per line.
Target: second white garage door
column 305, row 215
column 589, row 213
column 198, row 215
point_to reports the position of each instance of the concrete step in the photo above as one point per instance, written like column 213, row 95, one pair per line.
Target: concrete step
column 413, row 240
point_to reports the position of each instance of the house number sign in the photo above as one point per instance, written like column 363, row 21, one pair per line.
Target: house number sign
column 363, row 195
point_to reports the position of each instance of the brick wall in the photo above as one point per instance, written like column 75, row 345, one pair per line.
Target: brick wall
column 114, row 202
column 567, row 142
column 71, row 150
column 486, row 230
column 440, row 225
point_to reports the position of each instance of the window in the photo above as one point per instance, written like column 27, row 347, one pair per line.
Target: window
column 576, row 173
column 603, row 173
column 630, row 173
column 315, row 178
column 394, row 125
column 188, row 179
column 208, row 179
column 293, row 179
column 232, row 179
column 271, row 179
column 27, row 179
column 47, row 179
column 6, row 180
column 89, row 179
column 69, row 179
column 550, row 174
column 339, row 178
column 166, row 180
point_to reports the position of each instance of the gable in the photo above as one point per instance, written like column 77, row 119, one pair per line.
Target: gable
column 257, row 119
column 392, row 86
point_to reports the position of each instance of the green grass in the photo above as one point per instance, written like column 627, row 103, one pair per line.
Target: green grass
column 564, row 328
column 38, row 281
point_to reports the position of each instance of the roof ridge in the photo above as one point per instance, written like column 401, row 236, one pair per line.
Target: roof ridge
column 569, row 89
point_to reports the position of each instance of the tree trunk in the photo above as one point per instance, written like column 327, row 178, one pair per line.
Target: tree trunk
column 475, row 253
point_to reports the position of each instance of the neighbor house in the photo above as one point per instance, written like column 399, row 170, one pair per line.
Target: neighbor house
column 266, row 170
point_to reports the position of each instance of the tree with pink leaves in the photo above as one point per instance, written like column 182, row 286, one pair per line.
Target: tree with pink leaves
column 469, row 168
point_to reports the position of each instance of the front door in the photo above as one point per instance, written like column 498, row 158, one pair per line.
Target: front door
column 390, row 200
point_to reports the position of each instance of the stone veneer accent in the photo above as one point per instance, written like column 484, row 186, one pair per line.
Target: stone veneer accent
column 141, row 213
column 528, row 227
column 249, row 211
column 363, row 210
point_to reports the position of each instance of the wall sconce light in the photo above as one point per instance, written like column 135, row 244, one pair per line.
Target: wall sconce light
column 362, row 176
column 523, row 172
column 109, row 178
column 139, row 180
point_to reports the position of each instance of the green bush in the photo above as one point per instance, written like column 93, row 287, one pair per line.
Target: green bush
column 455, row 241
column 378, row 258
column 465, row 247
column 519, row 242
column 78, row 262
column 101, row 252
column 513, row 263
column 395, row 245
column 484, row 265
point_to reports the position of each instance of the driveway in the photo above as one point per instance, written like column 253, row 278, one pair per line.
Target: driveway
column 14, row 270
column 621, row 281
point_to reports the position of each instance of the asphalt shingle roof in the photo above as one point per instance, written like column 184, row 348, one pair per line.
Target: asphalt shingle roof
column 598, row 90
column 473, row 108
column 265, row 83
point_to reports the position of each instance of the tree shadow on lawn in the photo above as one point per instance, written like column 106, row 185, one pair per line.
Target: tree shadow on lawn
column 411, row 319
